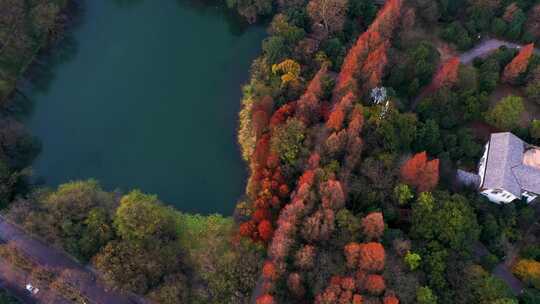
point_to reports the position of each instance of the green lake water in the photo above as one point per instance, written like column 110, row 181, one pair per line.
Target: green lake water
column 145, row 94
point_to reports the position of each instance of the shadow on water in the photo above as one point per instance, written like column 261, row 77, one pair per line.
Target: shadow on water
column 126, row 3
column 236, row 24
column 41, row 72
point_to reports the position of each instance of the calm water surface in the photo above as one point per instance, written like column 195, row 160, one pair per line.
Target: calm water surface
column 145, row 95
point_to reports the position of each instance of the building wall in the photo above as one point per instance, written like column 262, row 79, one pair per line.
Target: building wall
column 499, row 196
column 482, row 164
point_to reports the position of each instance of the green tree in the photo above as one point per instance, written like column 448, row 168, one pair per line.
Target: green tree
column 533, row 91
column 412, row 260
column 424, row 295
column 403, row 194
column 142, row 217
column 287, row 140
column 71, row 215
column 428, row 138
column 445, row 218
column 507, row 113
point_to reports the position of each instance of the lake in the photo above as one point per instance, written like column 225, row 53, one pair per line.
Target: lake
column 145, row 94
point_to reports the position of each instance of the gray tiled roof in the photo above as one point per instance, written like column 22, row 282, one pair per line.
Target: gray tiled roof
column 505, row 168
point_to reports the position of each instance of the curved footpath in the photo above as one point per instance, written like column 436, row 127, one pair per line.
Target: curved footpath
column 45, row 255
column 481, row 50
column 486, row 47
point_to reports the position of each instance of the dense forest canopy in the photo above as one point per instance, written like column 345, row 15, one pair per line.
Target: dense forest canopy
column 354, row 121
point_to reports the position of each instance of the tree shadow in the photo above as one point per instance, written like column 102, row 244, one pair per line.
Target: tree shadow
column 235, row 23
column 126, row 3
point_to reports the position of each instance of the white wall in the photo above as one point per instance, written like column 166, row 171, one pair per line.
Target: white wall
column 502, row 196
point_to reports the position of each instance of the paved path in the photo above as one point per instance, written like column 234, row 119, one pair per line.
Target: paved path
column 48, row 256
column 14, row 280
column 503, row 272
column 481, row 50
column 485, row 48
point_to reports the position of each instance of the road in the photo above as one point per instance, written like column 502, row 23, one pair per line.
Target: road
column 51, row 257
column 481, row 50
column 485, row 48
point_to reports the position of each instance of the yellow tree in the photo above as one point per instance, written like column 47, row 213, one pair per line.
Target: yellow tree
column 289, row 70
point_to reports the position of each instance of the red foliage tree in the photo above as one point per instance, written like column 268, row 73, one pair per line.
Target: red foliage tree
column 265, row 299
column 373, row 226
column 294, row 283
column 387, row 18
column 337, row 116
column 373, row 67
column 356, row 123
column 262, row 148
column 380, row 30
column 260, row 122
column 247, row 229
column 519, row 64
column 307, row 177
column 308, row 106
column 390, row 300
column 265, row 230
column 281, row 115
column 272, row 162
column 447, row 75
column 348, row 283
column 305, row 257
column 374, row 284
column 284, row 191
column 357, row 299
column 352, row 253
column 261, row 214
column 269, row 271
column 371, row 257
column 421, row 173
column 319, row 226
column 353, row 61
column 332, row 195
column 336, row 142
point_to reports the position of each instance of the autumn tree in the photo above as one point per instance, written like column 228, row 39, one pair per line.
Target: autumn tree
column 528, row 271
column 346, row 80
column 289, row 71
column 332, row 195
column 269, row 271
column 331, row 13
column 305, row 257
column 309, row 104
column 265, row 299
column 374, row 284
column 265, row 230
column 387, row 18
column 447, row 75
column 420, row 172
column 352, row 254
column 373, row 67
column 373, row 226
column 295, row 285
column 518, row 65
column 371, row 257
column 391, row 299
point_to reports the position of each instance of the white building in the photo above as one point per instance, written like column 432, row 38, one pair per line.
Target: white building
column 509, row 169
